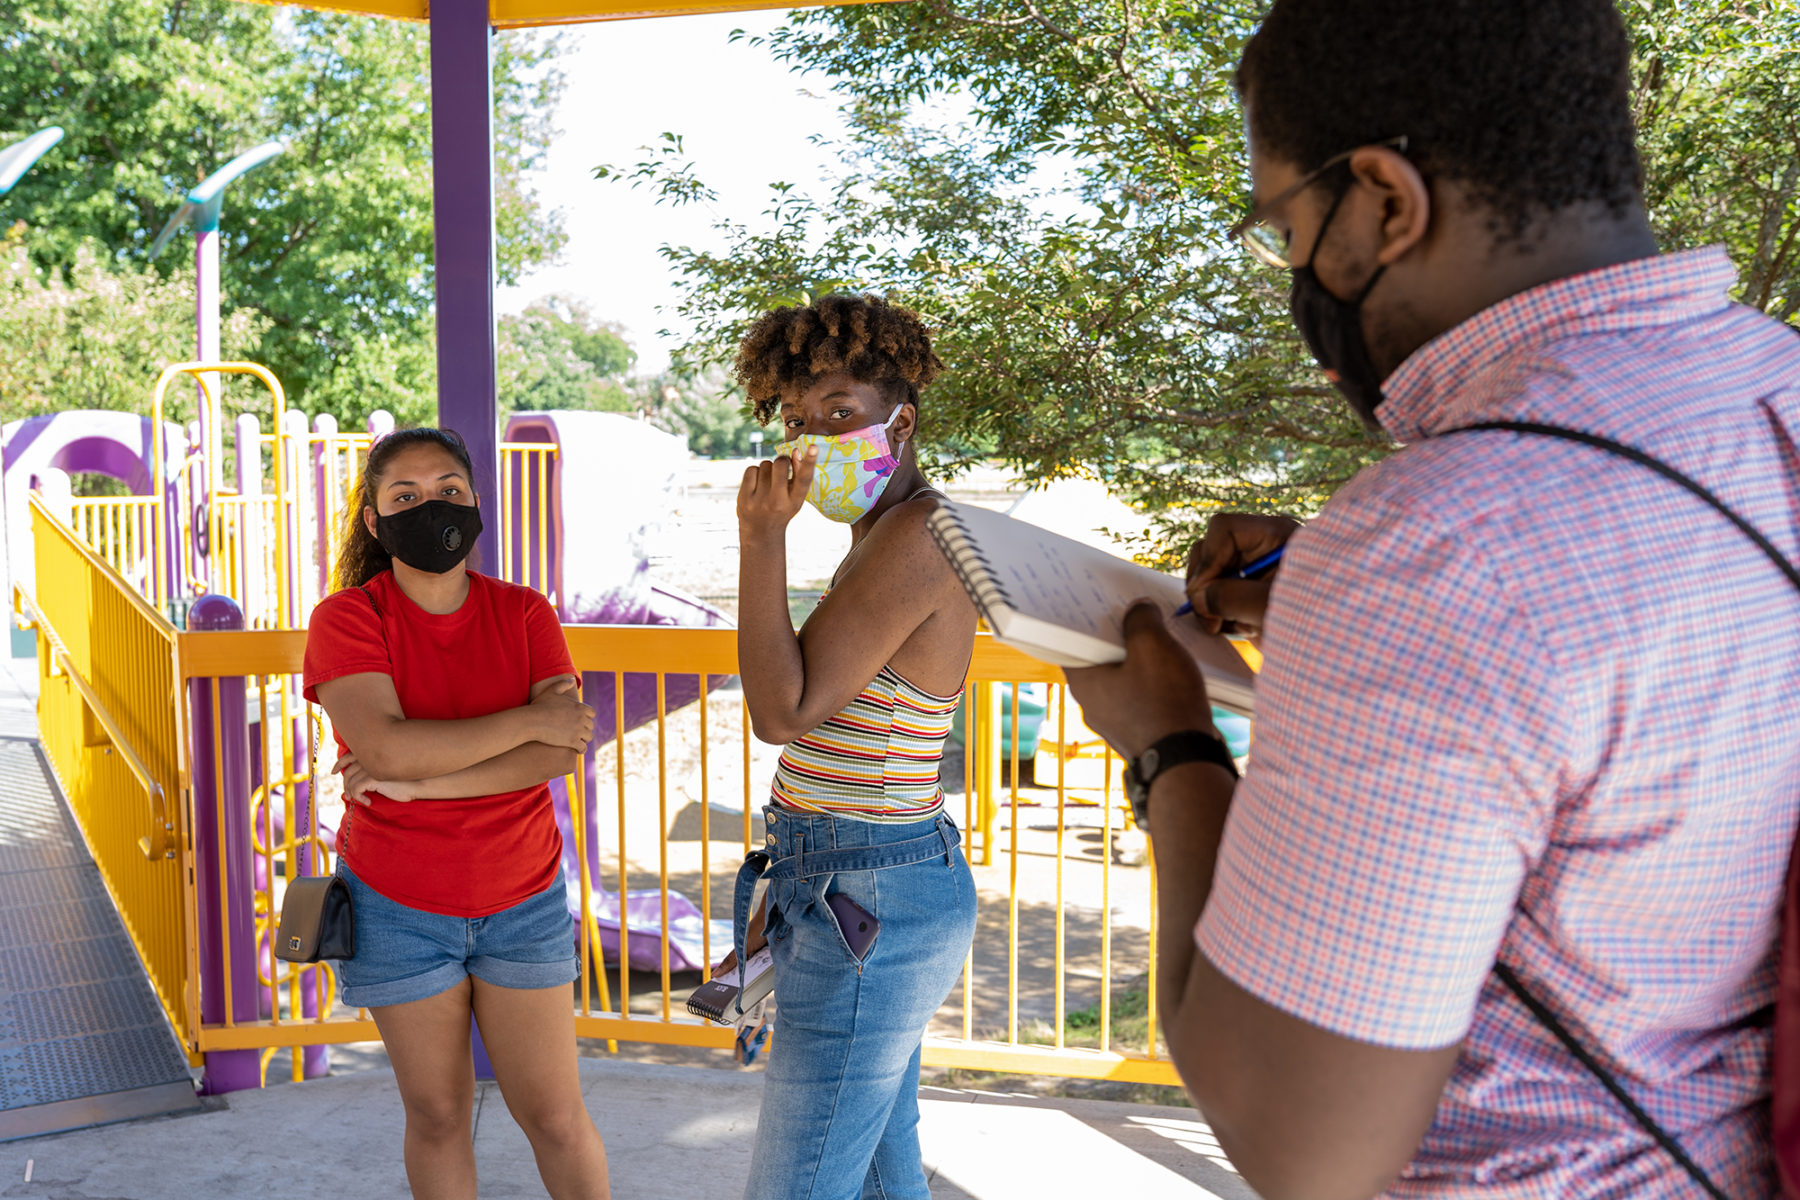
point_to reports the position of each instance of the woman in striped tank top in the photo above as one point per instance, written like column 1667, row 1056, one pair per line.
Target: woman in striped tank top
column 863, row 698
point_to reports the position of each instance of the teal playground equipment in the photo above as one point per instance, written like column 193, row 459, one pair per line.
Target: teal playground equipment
column 18, row 158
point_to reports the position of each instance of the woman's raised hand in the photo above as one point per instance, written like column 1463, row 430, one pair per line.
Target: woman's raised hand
column 563, row 719
column 772, row 492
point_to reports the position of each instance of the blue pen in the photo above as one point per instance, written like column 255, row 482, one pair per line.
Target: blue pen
column 1255, row 570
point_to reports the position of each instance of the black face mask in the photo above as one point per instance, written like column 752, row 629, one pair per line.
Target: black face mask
column 431, row 537
column 1334, row 332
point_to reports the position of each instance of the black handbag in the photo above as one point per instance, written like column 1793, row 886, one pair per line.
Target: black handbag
column 317, row 921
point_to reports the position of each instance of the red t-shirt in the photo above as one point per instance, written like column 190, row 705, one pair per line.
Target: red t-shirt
column 460, row 858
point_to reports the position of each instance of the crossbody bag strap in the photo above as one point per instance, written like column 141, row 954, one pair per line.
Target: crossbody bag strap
column 1537, row 1007
column 1569, row 1040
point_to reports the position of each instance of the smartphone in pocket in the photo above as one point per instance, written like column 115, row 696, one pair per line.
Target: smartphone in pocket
column 858, row 926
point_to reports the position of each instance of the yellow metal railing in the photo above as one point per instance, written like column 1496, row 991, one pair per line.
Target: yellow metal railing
column 342, row 456
column 271, row 552
column 987, row 1034
column 525, row 503
column 211, row 460
column 121, row 530
column 244, row 557
column 1008, row 1015
column 113, row 729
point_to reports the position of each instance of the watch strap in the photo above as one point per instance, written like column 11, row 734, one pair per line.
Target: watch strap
column 1186, row 746
column 1173, row 750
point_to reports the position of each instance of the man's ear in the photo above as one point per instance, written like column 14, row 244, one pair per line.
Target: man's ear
column 1404, row 197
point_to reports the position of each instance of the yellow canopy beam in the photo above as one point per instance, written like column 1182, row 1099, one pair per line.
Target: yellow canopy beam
column 520, row 14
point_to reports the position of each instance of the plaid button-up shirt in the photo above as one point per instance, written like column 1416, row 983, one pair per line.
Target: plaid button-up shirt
column 1525, row 699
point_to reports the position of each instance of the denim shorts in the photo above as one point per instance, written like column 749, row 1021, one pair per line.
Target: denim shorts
column 405, row 954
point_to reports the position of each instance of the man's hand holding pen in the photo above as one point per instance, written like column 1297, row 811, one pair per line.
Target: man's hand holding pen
column 1231, row 569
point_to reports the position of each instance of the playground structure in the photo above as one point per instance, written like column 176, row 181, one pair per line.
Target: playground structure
column 170, row 634
column 196, row 811
column 207, row 549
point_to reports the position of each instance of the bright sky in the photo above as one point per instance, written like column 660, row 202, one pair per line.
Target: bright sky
column 747, row 121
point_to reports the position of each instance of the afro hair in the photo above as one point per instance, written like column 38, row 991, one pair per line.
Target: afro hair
column 865, row 337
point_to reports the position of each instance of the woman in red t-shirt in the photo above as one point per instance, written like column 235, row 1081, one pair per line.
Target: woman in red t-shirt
column 455, row 701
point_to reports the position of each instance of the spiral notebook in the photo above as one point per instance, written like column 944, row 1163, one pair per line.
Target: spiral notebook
column 1064, row 602
column 716, row 1001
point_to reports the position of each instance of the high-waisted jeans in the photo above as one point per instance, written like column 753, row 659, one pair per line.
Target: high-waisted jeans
column 840, row 1107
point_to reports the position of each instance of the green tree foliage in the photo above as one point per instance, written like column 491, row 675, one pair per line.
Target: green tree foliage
column 332, row 241
column 556, row 356
column 1718, row 110
column 1050, row 182
column 703, row 407
column 91, row 339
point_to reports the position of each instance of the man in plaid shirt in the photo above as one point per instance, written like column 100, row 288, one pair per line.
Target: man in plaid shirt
column 1525, row 702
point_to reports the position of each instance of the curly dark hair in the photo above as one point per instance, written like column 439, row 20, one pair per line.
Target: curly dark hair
column 1527, row 102
column 360, row 557
column 864, row 336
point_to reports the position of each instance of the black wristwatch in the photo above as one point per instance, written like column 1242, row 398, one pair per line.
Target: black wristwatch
column 1189, row 745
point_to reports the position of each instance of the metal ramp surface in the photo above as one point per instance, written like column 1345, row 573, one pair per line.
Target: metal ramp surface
column 83, row 1040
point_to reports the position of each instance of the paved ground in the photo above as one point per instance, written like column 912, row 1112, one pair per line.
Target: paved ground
column 673, row 1133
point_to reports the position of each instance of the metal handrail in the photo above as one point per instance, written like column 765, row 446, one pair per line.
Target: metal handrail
column 160, row 842
column 200, row 371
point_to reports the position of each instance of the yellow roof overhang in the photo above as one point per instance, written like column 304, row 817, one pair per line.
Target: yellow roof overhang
column 519, row 14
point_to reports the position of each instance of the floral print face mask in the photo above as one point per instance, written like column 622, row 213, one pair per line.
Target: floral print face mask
column 852, row 471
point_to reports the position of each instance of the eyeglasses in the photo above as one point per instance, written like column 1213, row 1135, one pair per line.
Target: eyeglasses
column 1269, row 244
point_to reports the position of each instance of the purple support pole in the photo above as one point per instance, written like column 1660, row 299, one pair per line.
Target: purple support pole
column 462, row 186
column 483, row 1068
column 223, row 769
column 462, row 181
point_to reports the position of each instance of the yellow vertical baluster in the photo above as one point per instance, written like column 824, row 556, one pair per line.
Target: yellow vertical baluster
column 1150, row 975
column 543, row 511
column 746, row 715
column 1106, row 857
column 504, row 568
column 624, row 887
column 705, row 846
column 578, row 820
column 969, row 708
column 1012, row 888
column 1061, row 695
column 268, row 814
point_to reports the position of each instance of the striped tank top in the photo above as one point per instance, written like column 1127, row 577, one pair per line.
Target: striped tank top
column 877, row 760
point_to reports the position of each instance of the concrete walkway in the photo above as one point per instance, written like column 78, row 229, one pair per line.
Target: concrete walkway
column 672, row 1133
